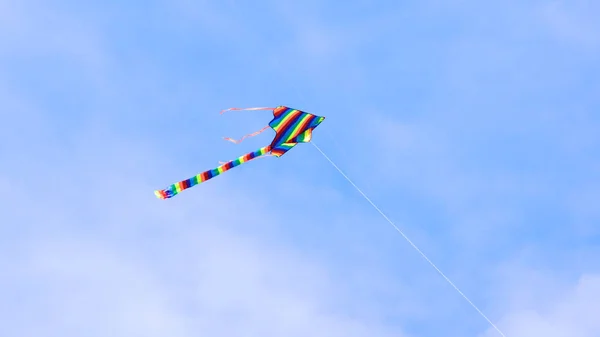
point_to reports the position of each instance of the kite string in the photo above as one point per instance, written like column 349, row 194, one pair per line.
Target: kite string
column 409, row 241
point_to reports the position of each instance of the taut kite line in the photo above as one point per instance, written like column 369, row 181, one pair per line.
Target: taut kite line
column 291, row 127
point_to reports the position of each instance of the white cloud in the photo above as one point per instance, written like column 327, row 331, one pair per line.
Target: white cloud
column 202, row 281
column 72, row 286
column 559, row 311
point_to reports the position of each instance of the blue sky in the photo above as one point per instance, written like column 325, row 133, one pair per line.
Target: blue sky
column 472, row 125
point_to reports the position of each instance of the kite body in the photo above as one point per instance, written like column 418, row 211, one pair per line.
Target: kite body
column 291, row 127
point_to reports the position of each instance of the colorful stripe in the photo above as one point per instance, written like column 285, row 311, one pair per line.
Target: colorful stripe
column 206, row 175
column 281, row 149
column 279, row 110
column 299, row 125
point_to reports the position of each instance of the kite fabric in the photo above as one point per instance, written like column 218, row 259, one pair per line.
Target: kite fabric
column 291, row 127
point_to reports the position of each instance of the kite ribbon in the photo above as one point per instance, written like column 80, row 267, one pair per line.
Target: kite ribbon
column 248, row 135
column 206, row 175
column 239, row 109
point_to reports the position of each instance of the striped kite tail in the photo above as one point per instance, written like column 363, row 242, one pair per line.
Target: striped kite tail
column 176, row 188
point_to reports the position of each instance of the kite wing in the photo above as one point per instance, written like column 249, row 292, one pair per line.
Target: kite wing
column 291, row 127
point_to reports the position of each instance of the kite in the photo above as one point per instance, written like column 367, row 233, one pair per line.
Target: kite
column 291, row 127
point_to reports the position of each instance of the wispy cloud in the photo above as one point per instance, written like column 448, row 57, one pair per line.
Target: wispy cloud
column 573, row 21
column 543, row 302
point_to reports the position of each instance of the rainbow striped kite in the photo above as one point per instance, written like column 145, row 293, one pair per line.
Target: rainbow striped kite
column 291, row 127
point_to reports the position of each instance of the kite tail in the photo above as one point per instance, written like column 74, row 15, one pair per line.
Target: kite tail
column 263, row 156
column 176, row 188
